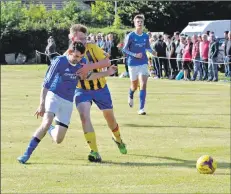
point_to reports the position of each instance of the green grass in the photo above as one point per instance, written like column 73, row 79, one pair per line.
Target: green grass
column 185, row 120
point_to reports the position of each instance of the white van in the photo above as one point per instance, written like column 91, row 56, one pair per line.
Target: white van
column 201, row 27
column 216, row 26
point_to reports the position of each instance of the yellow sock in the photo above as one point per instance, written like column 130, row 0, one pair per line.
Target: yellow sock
column 91, row 140
column 116, row 134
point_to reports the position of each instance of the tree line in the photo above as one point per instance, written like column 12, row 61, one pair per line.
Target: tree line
column 20, row 20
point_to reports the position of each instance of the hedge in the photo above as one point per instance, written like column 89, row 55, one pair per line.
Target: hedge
column 28, row 41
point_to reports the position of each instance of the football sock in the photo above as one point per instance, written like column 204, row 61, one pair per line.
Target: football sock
column 32, row 145
column 142, row 98
column 116, row 134
column 131, row 93
column 91, row 140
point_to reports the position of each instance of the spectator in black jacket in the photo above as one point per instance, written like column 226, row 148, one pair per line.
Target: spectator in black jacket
column 160, row 48
column 113, row 51
column 171, row 54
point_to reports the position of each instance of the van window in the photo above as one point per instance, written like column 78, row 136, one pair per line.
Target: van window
column 195, row 24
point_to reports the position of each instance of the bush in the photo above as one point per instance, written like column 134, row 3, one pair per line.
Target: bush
column 28, row 41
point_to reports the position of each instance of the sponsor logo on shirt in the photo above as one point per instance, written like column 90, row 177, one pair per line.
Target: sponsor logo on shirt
column 70, row 75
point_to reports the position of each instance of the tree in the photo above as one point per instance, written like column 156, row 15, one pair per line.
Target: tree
column 11, row 15
column 117, row 22
column 102, row 11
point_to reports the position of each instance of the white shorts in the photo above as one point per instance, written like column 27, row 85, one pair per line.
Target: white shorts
column 136, row 71
column 60, row 107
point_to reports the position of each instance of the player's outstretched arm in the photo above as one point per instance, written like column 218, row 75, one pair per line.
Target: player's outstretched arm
column 111, row 70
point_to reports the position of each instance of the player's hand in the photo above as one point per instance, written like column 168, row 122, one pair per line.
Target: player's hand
column 83, row 71
column 112, row 70
column 139, row 55
column 40, row 111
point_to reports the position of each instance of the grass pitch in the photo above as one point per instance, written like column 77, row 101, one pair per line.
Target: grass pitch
column 184, row 121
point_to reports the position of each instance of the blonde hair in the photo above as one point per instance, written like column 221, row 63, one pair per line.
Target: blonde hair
column 140, row 16
column 78, row 28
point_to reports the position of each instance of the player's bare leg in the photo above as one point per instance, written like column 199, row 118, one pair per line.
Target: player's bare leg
column 57, row 133
column 89, row 133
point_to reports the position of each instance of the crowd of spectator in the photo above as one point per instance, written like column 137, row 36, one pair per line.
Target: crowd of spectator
column 177, row 56
column 191, row 57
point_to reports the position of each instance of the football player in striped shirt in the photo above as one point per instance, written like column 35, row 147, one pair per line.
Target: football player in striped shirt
column 97, row 91
column 56, row 98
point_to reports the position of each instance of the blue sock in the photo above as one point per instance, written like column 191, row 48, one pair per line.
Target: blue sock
column 142, row 98
column 131, row 93
column 32, row 145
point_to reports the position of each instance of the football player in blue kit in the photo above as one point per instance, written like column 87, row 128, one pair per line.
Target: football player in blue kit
column 57, row 94
column 135, row 46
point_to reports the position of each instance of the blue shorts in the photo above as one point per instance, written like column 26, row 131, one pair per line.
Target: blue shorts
column 101, row 97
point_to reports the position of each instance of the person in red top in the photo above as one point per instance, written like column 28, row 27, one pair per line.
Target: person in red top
column 196, row 58
column 187, row 58
column 205, row 54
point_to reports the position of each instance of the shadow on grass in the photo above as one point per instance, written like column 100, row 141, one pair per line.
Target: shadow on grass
column 191, row 114
column 172, row 126
column 174, row 162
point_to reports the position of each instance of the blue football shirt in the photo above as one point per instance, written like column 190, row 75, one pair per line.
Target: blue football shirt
column 135, row 43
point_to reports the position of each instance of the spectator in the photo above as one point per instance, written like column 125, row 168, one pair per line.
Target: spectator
column 103, row 43
column 179, row 50
column 187, row 57
column 93, row 38
column 213, row 52
column 177, row 38
column 171, row 54
column 152, row 44
column 225, row 54
column 200, row 51
column 125, row 60
column 50, row 50
column 228, row 53
column 165, row 39
column 196, row 58
column 113, row 51
column 204, row 55
column 98, row 40
column 160, row 48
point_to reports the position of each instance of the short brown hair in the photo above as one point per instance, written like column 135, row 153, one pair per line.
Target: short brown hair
column 78, row 28
column 140, row 16
column 77, row 46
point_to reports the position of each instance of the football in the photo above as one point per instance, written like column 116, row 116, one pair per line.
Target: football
column 206, row 165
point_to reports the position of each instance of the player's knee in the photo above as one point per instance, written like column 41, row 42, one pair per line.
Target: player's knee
column 58, row 140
